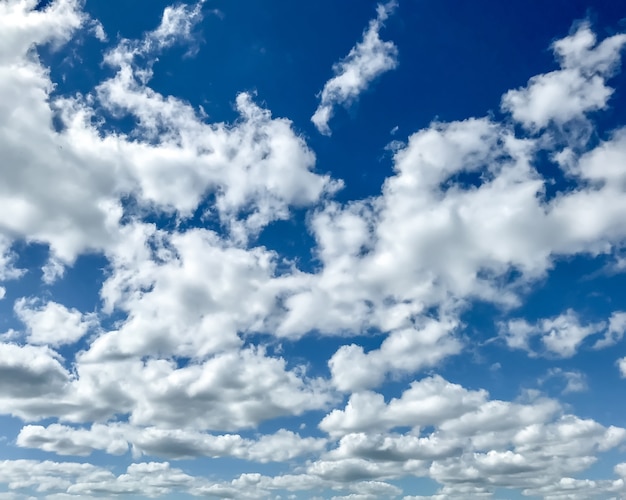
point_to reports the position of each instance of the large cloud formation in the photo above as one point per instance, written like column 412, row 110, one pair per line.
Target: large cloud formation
column 168, row 367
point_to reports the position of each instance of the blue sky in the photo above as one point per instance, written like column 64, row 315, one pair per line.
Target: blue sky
column 319, row 250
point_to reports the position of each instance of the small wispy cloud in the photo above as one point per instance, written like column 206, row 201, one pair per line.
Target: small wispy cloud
column 367, row 60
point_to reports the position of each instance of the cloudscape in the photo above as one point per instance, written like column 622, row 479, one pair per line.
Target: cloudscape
column 312, row 250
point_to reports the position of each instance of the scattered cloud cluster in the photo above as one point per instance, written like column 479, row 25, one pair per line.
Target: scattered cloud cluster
column 462, row 438
column 563, row 335
column 167, row 366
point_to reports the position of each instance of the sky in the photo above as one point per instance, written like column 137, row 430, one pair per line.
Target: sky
column 312, row 250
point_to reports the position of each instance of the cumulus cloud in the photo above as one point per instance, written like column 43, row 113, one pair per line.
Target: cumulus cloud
column 464, row 440
column 258, row 168
column 366, row 61
column 62, row 480
column 52, row 323
column 403, row 351
column 29, row 372
column 81, row 480
column 562, row 335
column 117, row 439
column 172, row 367
column 206, row 395
column 47, row 476
column 576, row 89
column 427, row 402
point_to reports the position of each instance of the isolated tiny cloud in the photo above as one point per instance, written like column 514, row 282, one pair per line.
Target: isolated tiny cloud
column 203, row 306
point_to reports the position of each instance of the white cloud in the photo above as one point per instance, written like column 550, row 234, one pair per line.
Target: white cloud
column 429, row 241
column 403, row 351
column 8, row 271
column 151, row 479
column 202, row 396
column 64, row 440
column 23, row 26
column 621, row 363
column 427, row 402
column 62, row 480
column 47, row 476
column 423, row 243
column 52, row 323
column 256, row 168
column 394, row 447
column 52, row 271
column 615, row 331
column 98, row 30
column 190, row 297
column 461, row 438
column 36, row 212
column 576, row 89
column 117, row 439
column 177, row 24
column 176, row 361
column 211, row 396
column 29, row 372
column 464, row 440
column 574, row 380
column 367, row 60
column 562, row 335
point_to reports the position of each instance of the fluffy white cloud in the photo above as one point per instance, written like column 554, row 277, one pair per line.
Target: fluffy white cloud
column 23, row 26
column 177, row 24
column 464, row 217
column 432, row 242
column 79, row 480
column 367, row 60
column 206, row 395
column 51, row 323
column 467, row 442
column 578, row 88
column 29, row 372
column 65, row 440
column 562, row 335
column 403, row 351
column 427, row 402
column 75, row 215
column 256, row 169
column 117, row 439
column 65, row 480
column 47, row 476
column 189, row 295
